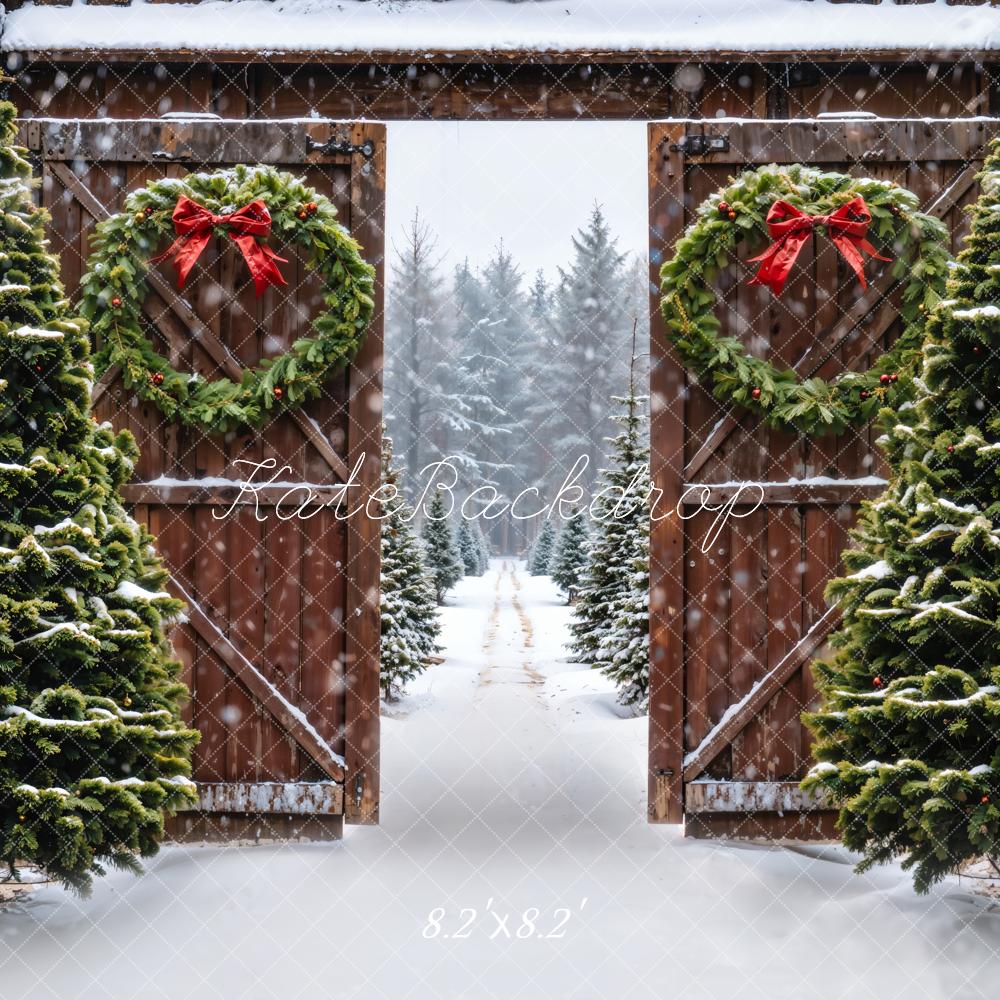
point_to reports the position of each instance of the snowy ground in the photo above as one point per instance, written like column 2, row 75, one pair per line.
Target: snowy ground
column 512, row 783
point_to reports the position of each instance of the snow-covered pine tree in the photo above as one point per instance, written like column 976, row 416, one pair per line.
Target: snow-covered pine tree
column 469, row 548
column 419, row 389
column 591, row 329
column 92, row 748
column 569, row 557
column 908, row 736
column 440, row 551
column 625, row 646
column 483, row 548
column 410, row 625
column 472, row 372
column 541, row 551
column 542, row 392
column 610, row 624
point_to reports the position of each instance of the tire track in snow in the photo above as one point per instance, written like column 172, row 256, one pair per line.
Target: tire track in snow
column 507, row 599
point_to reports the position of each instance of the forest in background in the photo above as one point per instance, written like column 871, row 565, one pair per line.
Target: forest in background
column 509, row 375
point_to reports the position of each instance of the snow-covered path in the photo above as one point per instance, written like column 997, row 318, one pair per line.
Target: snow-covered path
column 512, row 784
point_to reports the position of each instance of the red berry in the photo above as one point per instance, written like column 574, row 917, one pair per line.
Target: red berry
column 985, row 799
column 39, row 369
column 885, row 379
column 149, row 210
column 278, row 392
column 977, row 349
column 865, row 394
column 755, row 393
column 877, row 682
column 723, row 208
column 311, row 207
column 303, row 214
column 951, row 449
column 157, row 378
column 116, row 302
column 893, row 377
column 732, row 215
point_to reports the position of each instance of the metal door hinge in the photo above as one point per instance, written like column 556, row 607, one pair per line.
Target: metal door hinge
column 359, row 788
column 698, row 144
column 340, row 147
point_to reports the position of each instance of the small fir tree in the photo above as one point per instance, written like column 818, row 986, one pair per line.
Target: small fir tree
column 625, row 645
column 908, row 736
column 410, row 625
column 92, row 748
column 469, row 549
column 441, row 552
column 569, row 558
column 541, row 551
column 483, row 547
column 610, row 626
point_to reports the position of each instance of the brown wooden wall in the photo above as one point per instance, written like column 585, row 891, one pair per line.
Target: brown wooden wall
column 468, row 88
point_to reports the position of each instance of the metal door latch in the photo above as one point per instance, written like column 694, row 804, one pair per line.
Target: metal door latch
column 701, row 145
column 340, row 147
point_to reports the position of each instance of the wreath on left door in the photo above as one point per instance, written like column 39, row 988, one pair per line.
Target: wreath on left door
column 245, row 205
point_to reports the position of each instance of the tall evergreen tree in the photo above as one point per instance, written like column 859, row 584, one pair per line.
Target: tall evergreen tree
column 591, row 331
column 541, row 391
column 429, row 410
column 92, row 748
column 492, row 309
column 442, row 556
column 610, row 624
column 541, row 551
column 569, row 557
column 410, row 625
column 908, row 736
column 476, row 442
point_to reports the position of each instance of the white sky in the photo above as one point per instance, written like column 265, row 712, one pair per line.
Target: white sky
column 532, row 184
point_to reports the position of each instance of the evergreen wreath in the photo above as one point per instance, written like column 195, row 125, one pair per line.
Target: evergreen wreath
column 113, row 290
column 737, row 216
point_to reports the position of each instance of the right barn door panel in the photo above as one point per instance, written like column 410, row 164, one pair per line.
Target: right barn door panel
column 735, row 623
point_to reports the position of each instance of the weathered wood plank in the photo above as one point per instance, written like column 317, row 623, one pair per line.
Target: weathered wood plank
column 197, row 826
column 308, row 496
column 363, row 533
column 750, row 796
column 665, row 802
column 500, row 60
column 749, row 493
column 848, row 140
column 297, row 798
column 206, row 140
column 808, row 824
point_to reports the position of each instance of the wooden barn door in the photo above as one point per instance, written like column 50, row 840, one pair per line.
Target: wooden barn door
column 733, row 628
column 280, row 646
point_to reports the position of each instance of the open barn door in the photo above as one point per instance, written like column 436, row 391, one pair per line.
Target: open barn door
column 733, row 630
column 281, row 645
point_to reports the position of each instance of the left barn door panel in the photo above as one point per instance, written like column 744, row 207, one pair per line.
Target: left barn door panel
column 281, row 643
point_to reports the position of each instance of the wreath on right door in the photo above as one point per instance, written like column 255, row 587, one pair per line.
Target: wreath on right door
column 780, row 208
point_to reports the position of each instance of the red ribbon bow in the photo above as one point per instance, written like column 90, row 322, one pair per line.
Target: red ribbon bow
column 193, row 224
column 790, row 228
